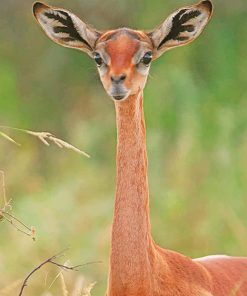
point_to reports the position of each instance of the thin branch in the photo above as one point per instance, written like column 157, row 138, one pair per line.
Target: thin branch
column 51, row 261
column 38, row 267
column 75, row 268
column 31, row 273
column 14, row 225
column 6, row 215
column 30, row 231
column 44, row 137
column 18, row 220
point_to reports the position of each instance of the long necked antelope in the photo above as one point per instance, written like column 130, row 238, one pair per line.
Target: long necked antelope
column 138, row 266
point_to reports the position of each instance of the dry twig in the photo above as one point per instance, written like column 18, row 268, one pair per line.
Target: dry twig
column 51, row 261
column 5, row 212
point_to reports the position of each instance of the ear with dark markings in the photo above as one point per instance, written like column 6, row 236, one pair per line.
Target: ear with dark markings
column 181, row 27
column 65, row 28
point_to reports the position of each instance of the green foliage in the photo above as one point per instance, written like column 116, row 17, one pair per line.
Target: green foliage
column 195, row 105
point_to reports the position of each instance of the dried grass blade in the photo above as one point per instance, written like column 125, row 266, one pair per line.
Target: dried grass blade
column 63, row 284
column 9, row 139
column 44, row 137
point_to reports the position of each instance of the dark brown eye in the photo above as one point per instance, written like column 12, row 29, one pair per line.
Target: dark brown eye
column 98, row 59
column 147, row 58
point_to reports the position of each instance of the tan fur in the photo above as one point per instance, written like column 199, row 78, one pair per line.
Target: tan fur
column 138, row 266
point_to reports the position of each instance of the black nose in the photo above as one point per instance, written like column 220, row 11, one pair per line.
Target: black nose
column 119, row 78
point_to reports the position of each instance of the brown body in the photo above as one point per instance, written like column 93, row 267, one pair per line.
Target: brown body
column 138, row 267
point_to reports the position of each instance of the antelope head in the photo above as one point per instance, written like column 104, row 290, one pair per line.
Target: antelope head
column 123, row 56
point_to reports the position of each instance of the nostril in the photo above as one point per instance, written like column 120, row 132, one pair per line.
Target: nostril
column 119, row 78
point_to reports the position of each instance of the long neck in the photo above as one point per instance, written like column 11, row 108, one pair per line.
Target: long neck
column 131, row 238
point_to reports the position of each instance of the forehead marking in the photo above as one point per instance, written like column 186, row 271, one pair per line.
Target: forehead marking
column 123, row 48
column 115, row 34
column 122, row 45
column 121, row 51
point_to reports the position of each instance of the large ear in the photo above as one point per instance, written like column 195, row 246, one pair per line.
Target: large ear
column 65, row 28
column 181, row 27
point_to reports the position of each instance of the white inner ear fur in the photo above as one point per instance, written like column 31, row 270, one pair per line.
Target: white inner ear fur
column 83, row 30
column 198, row 22
column 50, row 24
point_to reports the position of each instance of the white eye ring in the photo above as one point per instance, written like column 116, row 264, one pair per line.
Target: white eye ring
column 98, row 59
column 147, row 58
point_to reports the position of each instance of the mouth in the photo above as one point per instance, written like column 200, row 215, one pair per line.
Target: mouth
column 119, row 97
column 119, row 93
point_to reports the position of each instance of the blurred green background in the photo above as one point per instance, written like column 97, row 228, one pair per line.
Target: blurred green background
column 196, row 115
